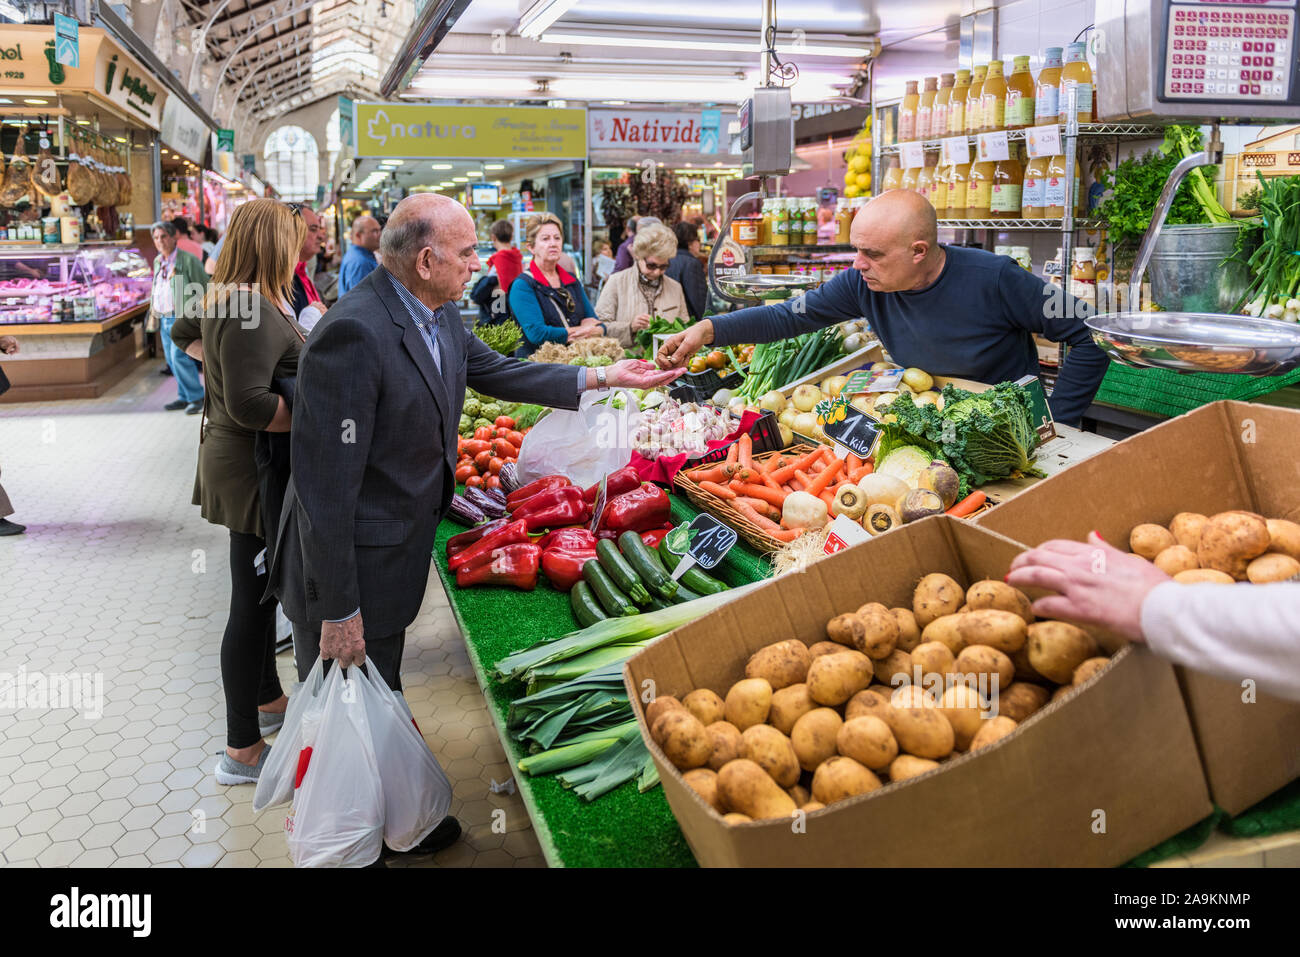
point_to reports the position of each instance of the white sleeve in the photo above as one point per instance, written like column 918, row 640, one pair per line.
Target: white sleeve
column 1232, row 632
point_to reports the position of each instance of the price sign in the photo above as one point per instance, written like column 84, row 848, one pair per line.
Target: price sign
column 994, row 147
column 704, row 542
column 844, row 533
column 1044, row 141
column 913, row 155
column 846, row 427
column 885, row 380
column 600, row 505
column 1039, row 409
column 956, row 150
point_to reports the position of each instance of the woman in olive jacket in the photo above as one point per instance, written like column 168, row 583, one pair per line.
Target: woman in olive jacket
column 249, row 345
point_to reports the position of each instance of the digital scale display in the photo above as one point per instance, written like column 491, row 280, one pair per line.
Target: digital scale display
column 1229, row 52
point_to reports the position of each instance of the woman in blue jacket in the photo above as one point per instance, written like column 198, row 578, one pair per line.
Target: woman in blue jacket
column 549, row 304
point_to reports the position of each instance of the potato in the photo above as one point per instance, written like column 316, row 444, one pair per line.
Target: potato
column 880, row 631
column 824, row 648
column 748, row 702
column 809, row 806
column 922, row 731
column 1230, row 540
column 1062, row 691
column 789, row 705
column 813, row 737
column 1199, row 576
column 868, row 702
column 1150, row 540
column 1175, row 559
column 704, row 782
column 661, row 703
column 725, row 738
column 1056, row 648
column 999, row 595
column 935, row 596
column 771, row 750
column 799, row 794
column 963, row 707
column 909, row 632
column 846, row 629
column 944, row 629
column 933, row 658
column 1087, row 669
column 1284, row 537
column 705, row 705
column 1272, row 567
column 1003, row 630
column 781, row 665
column 1021, row 700
column 867, row 740
column 735, row 817
column 994, row 729
column 745, row 787
column 684, row 739
column 986, row 661
column 840, row 778
column 834, row 679
column 1186, row 529
column 1024, row 670
column 909, row 766
column 898, row 663
column 910, row 696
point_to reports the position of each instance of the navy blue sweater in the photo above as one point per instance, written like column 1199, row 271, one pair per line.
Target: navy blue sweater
column 976, row 321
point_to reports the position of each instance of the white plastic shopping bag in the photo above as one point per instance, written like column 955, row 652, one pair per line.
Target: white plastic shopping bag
column 302, row 719
column 585, row 445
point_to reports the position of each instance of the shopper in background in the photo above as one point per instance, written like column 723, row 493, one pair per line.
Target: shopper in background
column 548, row 302
column 210, row 266
column 603, row 266
column 178, row 278
column 184, row 240
column 508, row 261
column 633, row 297
column 623, row 258
column 950, row 310
column 308, row 306
column 247, row 365
column 8, row 347
column 209, row 245
column 360, row 259
column 686, row 269
column 1234, row 632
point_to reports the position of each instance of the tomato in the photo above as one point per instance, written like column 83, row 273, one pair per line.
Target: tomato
column 515, row 438
column 494, row 465
column 491, row 482
column 504, row 421
column 502, row 448
column 463, row 472
column 475, row 446
column 474, row 481
column 481, row 461
column 482, row 433
column 499, row 432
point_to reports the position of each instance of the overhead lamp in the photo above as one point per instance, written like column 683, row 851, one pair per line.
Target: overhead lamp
column 614, row 102
column 494, row 166
column 733, row 42
column 460, row 179
column 35, row 101
column 441, row 166
column 474, row 174
column 394, row 162
column 79, row 122
column 445, row 183
column 542, row 15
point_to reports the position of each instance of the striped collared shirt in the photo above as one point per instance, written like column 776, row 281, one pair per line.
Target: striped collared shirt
column 426, row 320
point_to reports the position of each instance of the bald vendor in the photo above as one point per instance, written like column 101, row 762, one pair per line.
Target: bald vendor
column 948, row 310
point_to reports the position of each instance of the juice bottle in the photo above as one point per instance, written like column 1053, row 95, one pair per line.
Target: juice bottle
column 1032, row 196
column 810, row 221
column 957, row 104
column 939, row 113
column 843, row 221
column 1054, row 200
column 765, row 228
column 993, row 99
column 893, row 177
column 974, row 112
column 909, row 178
column 907, row 114
column 979, row 190
column 1047, row 91
column 957, row 191
column 780, row 222
column 924, row 181
column 1020, row 95
column 1076, row 72
column 1008, row 185
column 939, row 190
column 925, row 108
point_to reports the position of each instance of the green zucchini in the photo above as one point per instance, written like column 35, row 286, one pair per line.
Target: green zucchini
column 645, row 562
column 618, row 569
column 602, row 586
column 694, row 578
column 586, row 610
column 658, row 604
column 683, row 594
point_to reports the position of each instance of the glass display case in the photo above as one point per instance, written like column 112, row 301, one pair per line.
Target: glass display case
column 46, row 283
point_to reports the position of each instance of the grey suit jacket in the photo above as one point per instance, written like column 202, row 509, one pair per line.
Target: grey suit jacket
column 374, row 452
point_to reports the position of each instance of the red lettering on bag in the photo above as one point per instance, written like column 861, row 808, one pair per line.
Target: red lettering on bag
column 304, row 759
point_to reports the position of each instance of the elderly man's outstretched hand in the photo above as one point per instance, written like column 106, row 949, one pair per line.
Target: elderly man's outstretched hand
column 639, row 374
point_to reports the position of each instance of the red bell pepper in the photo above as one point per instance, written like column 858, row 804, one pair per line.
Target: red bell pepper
column 574, row 539
column 653, row 537
column 562, row 513
column 545, row 500
column 515, row 565
column 637, row 511
column 624, row 480
column 533, row 488
column 458, row 543
column 513, row 533
column 563, row 566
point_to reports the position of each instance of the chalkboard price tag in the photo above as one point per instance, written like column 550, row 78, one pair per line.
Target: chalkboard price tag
column 704, row 542
column 848, row 428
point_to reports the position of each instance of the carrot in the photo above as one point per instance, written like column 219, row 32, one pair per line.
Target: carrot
column 795, row 485
column 853, row 463
column 828, row 497
column 746, row 451
column 969, row 505
column 824, row 478
column 858, row 474
column 719, row 490
column 817, row 467
column 805, row 478
column 786, row 472
column 715, row 474
column 777, row 498
column 733, row 453
column 764, row 523
column 763, row 508
column 786, row 534
column 773, row 463
column 769, row 481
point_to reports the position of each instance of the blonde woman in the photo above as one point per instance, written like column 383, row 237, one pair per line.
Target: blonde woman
column 549, row 302
column 249, row 344
column 632, row 297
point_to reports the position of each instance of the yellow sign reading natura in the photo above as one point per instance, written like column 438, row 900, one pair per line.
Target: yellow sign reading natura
column 424, row 131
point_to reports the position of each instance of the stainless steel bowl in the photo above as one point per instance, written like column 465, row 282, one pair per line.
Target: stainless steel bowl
column 764, row 286
column 1198, row 342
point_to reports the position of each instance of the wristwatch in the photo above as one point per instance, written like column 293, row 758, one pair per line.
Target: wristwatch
column 601, row 383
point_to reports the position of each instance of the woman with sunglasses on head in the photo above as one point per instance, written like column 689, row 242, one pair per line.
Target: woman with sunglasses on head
column 549, row 303
column 632, row 297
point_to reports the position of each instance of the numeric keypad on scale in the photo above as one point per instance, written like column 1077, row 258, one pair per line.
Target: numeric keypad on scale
column 1229, row 53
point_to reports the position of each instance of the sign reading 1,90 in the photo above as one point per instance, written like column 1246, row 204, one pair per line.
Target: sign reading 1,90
column 704, row 542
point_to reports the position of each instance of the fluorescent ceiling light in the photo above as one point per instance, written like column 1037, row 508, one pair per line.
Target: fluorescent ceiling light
column 494, row 166
column 720, row 41
column 541, row 15
column 442, row 166
column 474, row 174
column 460, row 179
column 445, row 183
column 36, row 101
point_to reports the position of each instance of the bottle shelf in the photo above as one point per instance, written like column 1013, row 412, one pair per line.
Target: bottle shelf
column 1019, row 224
column 1122, row 131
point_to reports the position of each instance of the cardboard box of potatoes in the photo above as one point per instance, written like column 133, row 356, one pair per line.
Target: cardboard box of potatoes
column 897, row 705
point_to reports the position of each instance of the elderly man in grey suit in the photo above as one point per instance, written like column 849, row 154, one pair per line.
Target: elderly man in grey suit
column 380, row 387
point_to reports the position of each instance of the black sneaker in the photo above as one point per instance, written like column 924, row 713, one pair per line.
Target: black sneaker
column 194, row 408
column 441, row 837
column 165, row 370
column 175, row 406
column 11, row 528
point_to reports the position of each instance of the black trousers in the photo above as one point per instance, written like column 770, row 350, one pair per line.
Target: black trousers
column 248, row 646
column 384, row 654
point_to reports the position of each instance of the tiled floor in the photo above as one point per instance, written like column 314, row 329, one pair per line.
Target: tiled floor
column 119, row 578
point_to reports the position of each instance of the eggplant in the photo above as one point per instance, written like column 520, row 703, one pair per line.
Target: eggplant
column 497, row 495
column 485, row 503
column 509, row 478
column 464, row 512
